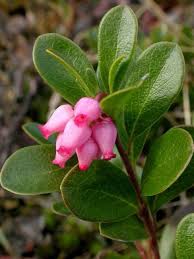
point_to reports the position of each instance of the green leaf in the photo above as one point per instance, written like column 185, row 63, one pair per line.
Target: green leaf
column 167, row 160
column 116, row 39
column 137, row 146
column 31, row 129
column 127, row 230
column 184, row 182
column 154, row 83
column 167, row 242
column 114, row 70
column 64, row 66
column 60, row 209
column 123, row 72
column 103, row 193
column 185, row 238
column 100, row 82
column 30, row 171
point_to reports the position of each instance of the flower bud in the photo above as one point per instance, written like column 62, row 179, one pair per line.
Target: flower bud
column 88, row 107
column 73, row 137
column 86, row 153
column 104, row 133
column 57, row 121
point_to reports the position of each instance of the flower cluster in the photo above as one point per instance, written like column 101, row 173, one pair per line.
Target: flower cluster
column 82, row 130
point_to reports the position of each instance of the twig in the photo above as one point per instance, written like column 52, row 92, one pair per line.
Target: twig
column 171, row 119
column 161, row 15
column 155, row 8
column 187, row 49
column 53, row 103
column 141, row 11
column 186, row 104
column 6, row 244
column 141, row 250
column 143, row 209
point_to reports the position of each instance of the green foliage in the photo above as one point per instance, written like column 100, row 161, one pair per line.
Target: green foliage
column 184, row 182
column 60, row 209
column 30, row 171
column 167, row 160
column 31, row 129
column 137, row 146
column 127, row 230
column 119, row 74
column 102, row 193
column 140, row 87
column 116, row 42
column 64, row 66
column 155, row 81
column 185, row 238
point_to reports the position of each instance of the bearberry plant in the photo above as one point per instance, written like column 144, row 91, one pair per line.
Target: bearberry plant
column 108, row 113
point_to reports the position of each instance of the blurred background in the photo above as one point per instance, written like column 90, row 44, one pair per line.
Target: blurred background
column 28, row 227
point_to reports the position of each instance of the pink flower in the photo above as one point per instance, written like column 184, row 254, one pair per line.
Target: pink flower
column 83, row 131
column 104, row 133
column 88, row 107
column 87, row 153
column 57, row 121
column 60, row 160
column 73, row 137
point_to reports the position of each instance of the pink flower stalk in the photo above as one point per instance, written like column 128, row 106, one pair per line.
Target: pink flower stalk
column 60, row 160
column 104, row 133
column 57, row 121
column 89, row 108
column 87, row 153
column 74, row 136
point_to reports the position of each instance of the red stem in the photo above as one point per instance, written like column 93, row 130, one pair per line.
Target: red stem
column 143, row 208
column 140, row 250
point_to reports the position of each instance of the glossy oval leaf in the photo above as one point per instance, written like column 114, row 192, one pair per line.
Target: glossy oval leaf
column 103, row 193
column 31, row 129
column 121, row 76
column 166, row 161
column 127, row 230
column 116, row 38
column 137, row 145
column 185, row 238
column 154, row 83
column 64, row 66
column 60, row 209
column 114, row 70
column 30, row 171
column 184, row 182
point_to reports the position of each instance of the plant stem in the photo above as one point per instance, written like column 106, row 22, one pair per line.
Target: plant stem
column 140, row 250
column 143, row 208
column 186, row 104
